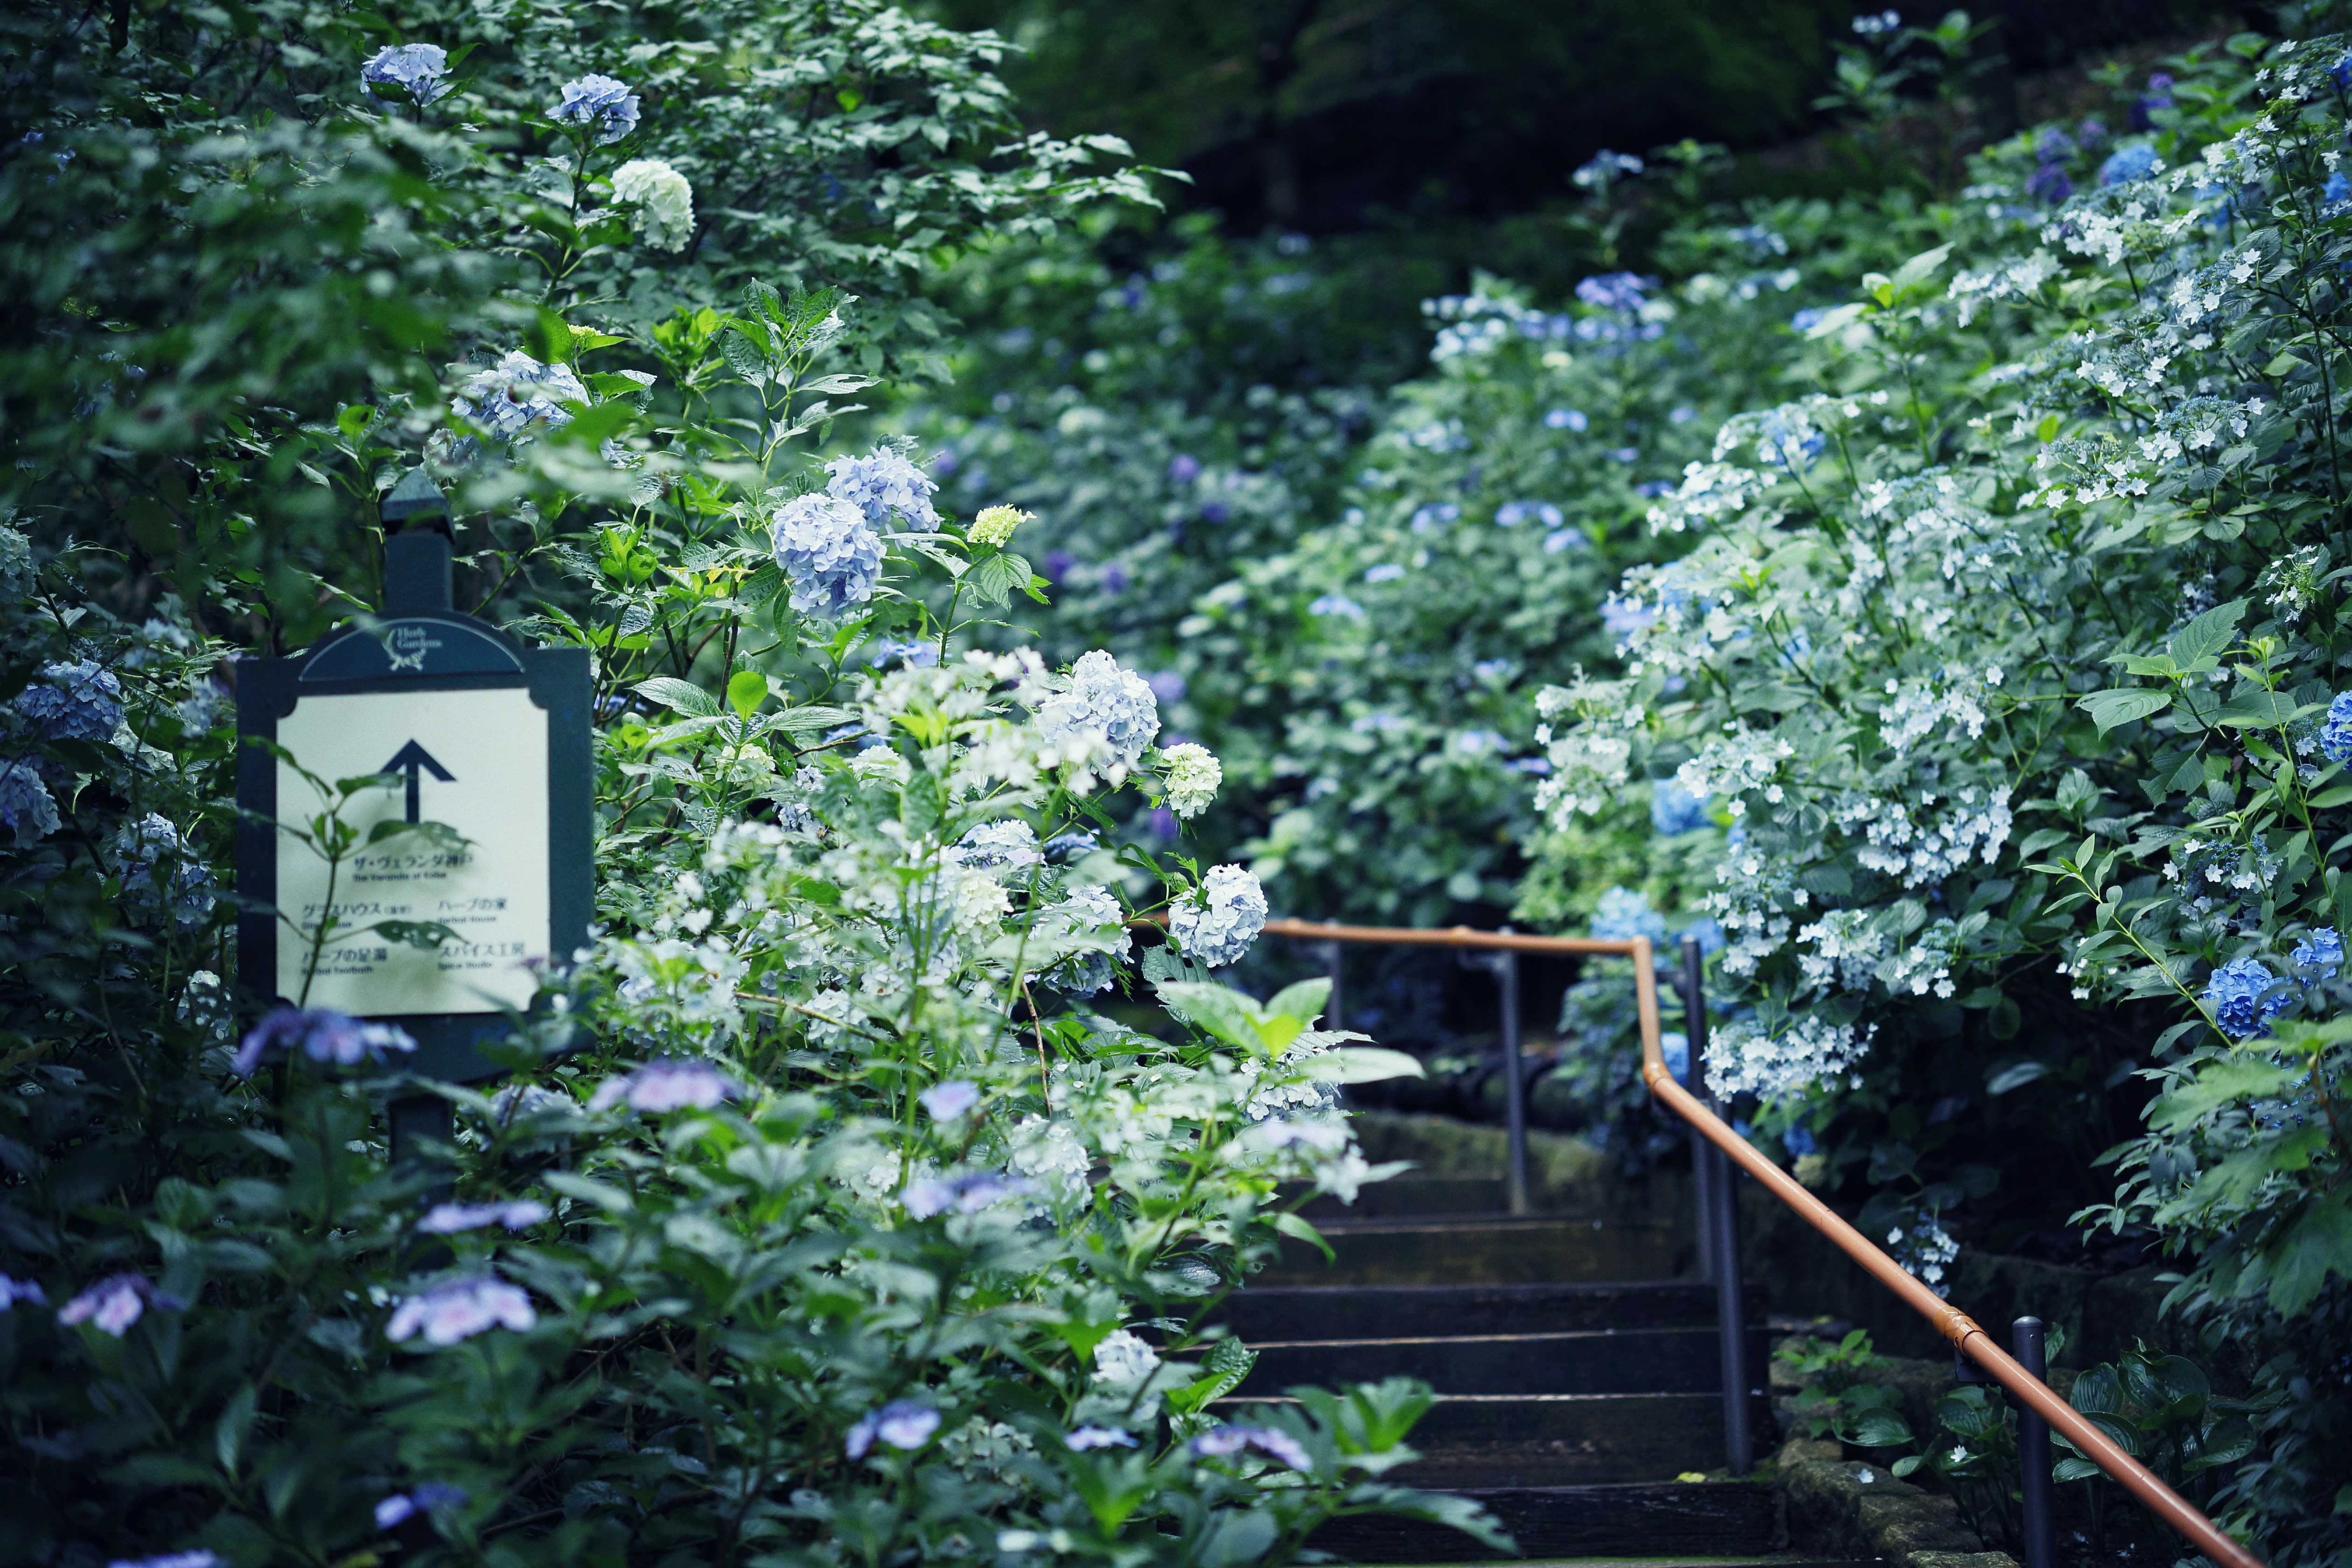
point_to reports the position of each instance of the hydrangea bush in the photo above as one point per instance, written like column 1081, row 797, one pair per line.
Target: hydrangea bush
column 816, row 1212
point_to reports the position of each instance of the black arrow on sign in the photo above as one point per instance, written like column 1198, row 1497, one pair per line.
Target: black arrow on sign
column 413, row 759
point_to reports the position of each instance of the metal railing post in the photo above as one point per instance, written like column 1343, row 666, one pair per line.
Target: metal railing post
column 1706, row 1166
column 1719, row 1234
column 1335, row 1012
column 2041, row 1543
column 1514, row 1089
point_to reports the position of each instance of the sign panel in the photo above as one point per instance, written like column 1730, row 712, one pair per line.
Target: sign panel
column 476, row 761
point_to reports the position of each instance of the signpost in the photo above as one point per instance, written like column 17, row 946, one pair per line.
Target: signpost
column 469, row 730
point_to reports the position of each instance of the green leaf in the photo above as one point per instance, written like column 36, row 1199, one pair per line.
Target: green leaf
column 1217, row 1010
column 1304, row 1001
column 991, row 580
column 2215, row 1085
column 680, row 696
column 2110, row 708
column 746, row 689
column 811, row 720
column 2304, row 1254
column 236, row 1424
column 1922, row 267
column 2016, row 1077
column 2205, row 637
column 1362, row 1064
column 354, row 419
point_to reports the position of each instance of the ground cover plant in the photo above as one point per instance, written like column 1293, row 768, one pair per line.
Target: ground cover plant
column 815, row 1213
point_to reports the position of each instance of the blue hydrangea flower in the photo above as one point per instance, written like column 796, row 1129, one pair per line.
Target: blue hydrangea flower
column 1806, row 320
column 1566, row 420
column 1114, row 706
column 2049, row 183
column 1704, row 931
column 1337, row 604
column 2322, row 952
column 1797, row 1140
column 1431, row 516
column 161, row 871
column 1216, row 922
column 2238, row 997
column 2124, row 164
column 599, row 101
column 1625, row 914
column 1563, row 539
column 419, row 71
column 2335, row 731
column 80, row 702
column 2336, row 194
column 1674, row 1047
column 903, row 1424
column 1613, row 291
column 883, row 482
column 1386, row 571
column 1788, row 441
column 402, row 1506
column 24, row 804
column 833, row 558
column 1674, row 809
column 518, row 393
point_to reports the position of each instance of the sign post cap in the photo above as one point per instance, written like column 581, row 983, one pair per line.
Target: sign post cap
column 416, row 497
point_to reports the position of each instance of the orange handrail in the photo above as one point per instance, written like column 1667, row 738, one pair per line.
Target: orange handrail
column 1950, row 1322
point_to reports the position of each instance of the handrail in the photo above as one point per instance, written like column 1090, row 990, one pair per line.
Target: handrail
column 1954, row 1325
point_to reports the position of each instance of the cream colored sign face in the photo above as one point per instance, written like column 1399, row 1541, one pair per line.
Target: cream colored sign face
column 473, row 760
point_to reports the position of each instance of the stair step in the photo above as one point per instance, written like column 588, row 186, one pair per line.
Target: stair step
column 1268, row 1313
column 1665, row 1520
column 1603, row 1361
column 1552, row 1440
column 1548, row 1249
column 1415, row 1196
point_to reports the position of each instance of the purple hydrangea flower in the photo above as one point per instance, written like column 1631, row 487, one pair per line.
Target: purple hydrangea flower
column 1225, row 1441
column 948, row 1100
column 966, row 1194
column 401, row 1507
column 666, row 1086
column 601, row 102
column 78, row 702
column 196, row 1558
column 833, row 558
column 14, row 1291
column 1087, row 1437
column 1058, row 564
column 903, row 1424
column 1183, row 469
column 515, row 1214
column 882, row 483
column 457, row 1309
column 321, row 1035
column 417, row 69
column 114, row 1303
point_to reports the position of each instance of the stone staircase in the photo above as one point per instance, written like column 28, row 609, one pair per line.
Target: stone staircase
column 1576, row 1375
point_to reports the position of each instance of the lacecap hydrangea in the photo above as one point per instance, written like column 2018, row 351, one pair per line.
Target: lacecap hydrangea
column 1216, row 922
column 833, row 558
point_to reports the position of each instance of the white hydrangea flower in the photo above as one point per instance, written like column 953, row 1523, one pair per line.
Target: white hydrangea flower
column 1743, row 1059
column 1092, row 909
column 1124, row 1360
column 663, row 200
column 1193, row 777
column 1216, row 922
